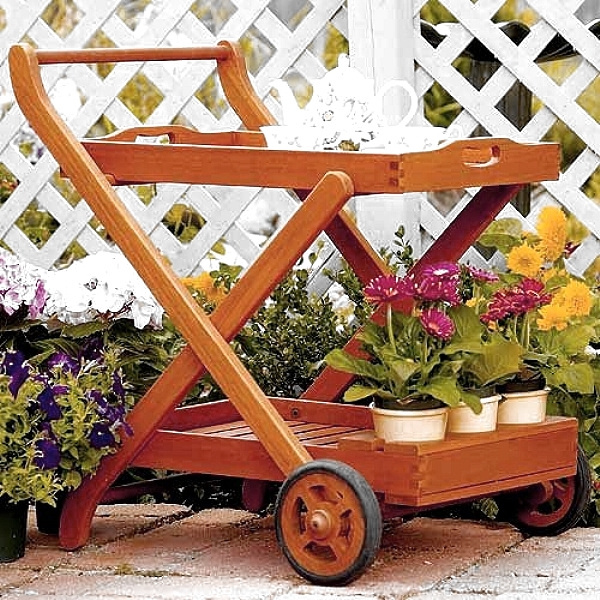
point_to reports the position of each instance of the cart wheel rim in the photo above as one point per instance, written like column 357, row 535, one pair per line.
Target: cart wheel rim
column 544, row 507
column 323, row 525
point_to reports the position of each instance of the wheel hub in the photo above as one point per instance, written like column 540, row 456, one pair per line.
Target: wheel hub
column 320, row 524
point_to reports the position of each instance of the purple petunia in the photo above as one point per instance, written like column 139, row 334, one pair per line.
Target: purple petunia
column 47, row 455
column 63, row 361
column 101, row 436
column 437, row 323
column 92, row 349
column 47, row 402
column 17, row 369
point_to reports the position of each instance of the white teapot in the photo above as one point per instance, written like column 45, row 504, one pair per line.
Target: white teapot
column 342, row 99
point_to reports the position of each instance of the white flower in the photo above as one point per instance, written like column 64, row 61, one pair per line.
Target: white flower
column 102, row 285
column 20, row 285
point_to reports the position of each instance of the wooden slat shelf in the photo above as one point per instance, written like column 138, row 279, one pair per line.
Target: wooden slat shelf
column 407, row 474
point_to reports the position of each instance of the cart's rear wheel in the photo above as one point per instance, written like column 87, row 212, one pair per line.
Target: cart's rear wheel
column 328, row 522
column 550, row 507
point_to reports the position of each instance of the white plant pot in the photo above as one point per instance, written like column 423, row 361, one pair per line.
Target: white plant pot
column 461, row 419
column 519, row 408
column 410, row 425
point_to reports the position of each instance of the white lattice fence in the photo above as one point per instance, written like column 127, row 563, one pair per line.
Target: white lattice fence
column 279, row 37
column 560, row 101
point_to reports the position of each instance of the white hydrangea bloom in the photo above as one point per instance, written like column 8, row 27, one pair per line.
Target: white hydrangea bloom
column 102, row 285
column 21, row 284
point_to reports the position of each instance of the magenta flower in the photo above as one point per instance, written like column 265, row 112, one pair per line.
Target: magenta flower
column 437, row 323
column 388, row 288
column 439, row 283
column 482, row 275
column 527, row 296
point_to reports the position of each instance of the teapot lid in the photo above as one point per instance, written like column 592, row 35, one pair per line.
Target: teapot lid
column 344, row 72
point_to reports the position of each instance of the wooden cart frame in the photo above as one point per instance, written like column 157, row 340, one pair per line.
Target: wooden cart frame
column 336, row 473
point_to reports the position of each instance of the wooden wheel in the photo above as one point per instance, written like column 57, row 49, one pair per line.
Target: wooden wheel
column 551, row 507
column 328, row 522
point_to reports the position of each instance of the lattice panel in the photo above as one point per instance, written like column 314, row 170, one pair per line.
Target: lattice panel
column 278, row 37
column 282, row 38
column 560, row 101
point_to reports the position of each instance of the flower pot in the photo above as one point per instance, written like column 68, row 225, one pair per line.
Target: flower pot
column 426, row 425
column 13, row 529
column 47, row 517
column 520, row 408
column 462, row 419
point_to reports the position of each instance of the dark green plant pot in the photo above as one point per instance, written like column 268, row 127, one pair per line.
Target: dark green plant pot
column 47, row 517
column 13, row 529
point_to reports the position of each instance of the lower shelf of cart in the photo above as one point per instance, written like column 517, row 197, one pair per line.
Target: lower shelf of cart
column 213, row 439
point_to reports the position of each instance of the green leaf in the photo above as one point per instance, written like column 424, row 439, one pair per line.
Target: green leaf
column 359, row 392
column 498, row 359
column 503, row 234
column 442, row 389
column 343, row 361
column 473, row 401
column 577, row 378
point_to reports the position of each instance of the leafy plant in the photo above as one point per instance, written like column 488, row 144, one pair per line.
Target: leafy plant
column 58, row 420
column 434, row 350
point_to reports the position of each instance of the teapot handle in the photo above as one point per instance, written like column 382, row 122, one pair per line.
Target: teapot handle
column 396, row 83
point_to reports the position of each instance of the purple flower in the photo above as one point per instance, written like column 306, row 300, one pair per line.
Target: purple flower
column 47, row 454
column 92, row 349
column 388, row 288
column 48, row 403
column 17, row 369
column 117, row 385
column 437, row 323
column 439, row 283
column 101, row 436
column 39, row 300
column 63, row 361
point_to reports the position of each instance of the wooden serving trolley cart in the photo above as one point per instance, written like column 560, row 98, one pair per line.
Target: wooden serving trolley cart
column 337, row 477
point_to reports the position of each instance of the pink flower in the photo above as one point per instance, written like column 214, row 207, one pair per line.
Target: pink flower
column 437, row 323
column 439, row 283
column 518, row 300
column 481, row 275
column 388, row 288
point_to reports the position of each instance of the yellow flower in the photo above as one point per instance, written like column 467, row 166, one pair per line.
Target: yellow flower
column 552, row 315
column 576, row 299
column 552, row 231
column 205, row 284
column 524, row 260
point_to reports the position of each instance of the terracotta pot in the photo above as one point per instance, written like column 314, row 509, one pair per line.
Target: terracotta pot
column 520, row 408
column 461, row 419
column 13, row 529
column 425, row 425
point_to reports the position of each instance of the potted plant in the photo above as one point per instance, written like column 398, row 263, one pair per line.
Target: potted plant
column 57, row 420
column 553, row 314
column 428, row 352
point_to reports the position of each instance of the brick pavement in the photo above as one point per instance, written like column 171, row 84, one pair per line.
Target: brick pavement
column 166, row 552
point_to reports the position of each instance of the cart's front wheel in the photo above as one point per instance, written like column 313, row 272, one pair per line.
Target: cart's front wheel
column 551, row 507
column 328, row 522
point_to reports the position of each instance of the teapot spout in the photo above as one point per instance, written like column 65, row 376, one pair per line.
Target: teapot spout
column 292, row 113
